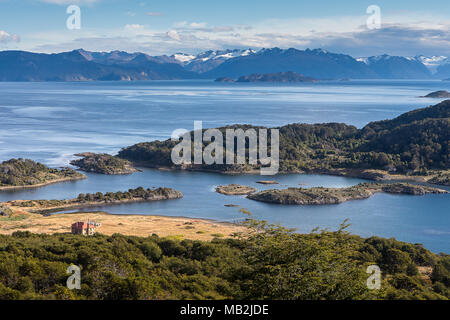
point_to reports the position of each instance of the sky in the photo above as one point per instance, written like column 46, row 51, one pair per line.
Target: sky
column 157, row 27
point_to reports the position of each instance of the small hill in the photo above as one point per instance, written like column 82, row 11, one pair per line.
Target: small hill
column 438, row 94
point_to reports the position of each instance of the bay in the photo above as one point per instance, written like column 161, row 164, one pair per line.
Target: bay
column 49, row 122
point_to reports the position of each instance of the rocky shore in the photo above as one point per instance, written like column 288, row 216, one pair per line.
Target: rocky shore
column 235, row 190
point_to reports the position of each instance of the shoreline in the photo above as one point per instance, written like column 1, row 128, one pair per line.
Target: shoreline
column 367, row 174
column 46, row 207
column 3, row 188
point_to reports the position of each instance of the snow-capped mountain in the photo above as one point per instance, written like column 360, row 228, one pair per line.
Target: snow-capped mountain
column 183, row 58
column 209, row 60
column 317, row 63
column 396, row 67
column 433, row 62
column 119, row 65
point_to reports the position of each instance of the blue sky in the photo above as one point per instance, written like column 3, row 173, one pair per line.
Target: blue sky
column 164, row 27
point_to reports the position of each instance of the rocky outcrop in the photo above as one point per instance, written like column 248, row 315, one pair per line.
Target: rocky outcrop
column 235, row 190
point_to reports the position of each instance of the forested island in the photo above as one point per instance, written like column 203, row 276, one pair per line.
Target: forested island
column 20, row 173
column 414, row 145
column 102, row 163
column 265, row 262
column 321, row 195
column 280, row 77
column 93, row 199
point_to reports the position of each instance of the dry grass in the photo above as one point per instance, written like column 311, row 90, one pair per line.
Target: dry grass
column 136, row 225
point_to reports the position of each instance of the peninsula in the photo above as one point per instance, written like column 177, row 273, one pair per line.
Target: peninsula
column 20, row 173
column 87, row 200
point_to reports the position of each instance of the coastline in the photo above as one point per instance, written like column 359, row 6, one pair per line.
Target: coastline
column 368, row 174
column 45, row 207
column 2, row 188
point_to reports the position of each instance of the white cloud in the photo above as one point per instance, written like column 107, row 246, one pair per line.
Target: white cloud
column 400, row 35
column 173, row 34
column 198, row 24
column 134, row 27
column 5, row 37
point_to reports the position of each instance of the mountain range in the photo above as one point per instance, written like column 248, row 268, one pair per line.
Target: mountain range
column 82, row 65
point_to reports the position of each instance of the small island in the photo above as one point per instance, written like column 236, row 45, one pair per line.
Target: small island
column 280, row 77
column 321, row 196
column 87, row 200
column 267, row 182
column 103, row 163
column 235, row 190
column 438, row 94
column 20, row 173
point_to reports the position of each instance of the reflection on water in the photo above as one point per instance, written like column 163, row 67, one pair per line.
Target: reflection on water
column 417, row 219
column 49, row 122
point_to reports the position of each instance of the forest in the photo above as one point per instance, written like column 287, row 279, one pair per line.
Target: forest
column 268, row 262
column 413, row 143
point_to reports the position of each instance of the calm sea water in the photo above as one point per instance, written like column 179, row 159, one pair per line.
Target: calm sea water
column 49, row 122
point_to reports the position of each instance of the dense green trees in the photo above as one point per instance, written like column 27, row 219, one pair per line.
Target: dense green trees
column 269, row 262
column 102, row 163
column 411, row 143
column 20, row 172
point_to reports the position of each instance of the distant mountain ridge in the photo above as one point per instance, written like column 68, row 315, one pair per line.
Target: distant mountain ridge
column 82, row 65
column 395, row 67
